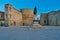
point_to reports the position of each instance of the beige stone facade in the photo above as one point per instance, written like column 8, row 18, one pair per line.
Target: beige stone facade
column 43, row 19
column 52, row 18
column 27, row 16
column 12, row 16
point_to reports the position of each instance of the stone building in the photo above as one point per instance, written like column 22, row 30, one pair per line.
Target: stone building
column 54, row 17
column 12, row 16
column 1, row 15
column 28, row 16
column 50, row 18
column 1, row 18
column 43, row 19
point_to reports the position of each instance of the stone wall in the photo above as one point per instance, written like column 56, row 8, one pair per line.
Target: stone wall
column 12, row 16
column 2, row 18
column 27, row 17
column 54, row 18
column 43, row 19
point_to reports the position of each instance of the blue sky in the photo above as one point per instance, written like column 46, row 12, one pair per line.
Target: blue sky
column 42, row 5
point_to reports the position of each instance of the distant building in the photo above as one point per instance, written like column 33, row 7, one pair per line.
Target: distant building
column 1, row 18
column 54, row 17
column 51, row 18
column 43, row 19
column 1, row 15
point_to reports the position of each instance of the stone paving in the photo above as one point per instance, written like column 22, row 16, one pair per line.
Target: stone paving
column 28, row 33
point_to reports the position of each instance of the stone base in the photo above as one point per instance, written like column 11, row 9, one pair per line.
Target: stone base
column 37, row 26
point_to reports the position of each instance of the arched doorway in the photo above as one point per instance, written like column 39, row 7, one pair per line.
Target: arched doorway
column 14, row 23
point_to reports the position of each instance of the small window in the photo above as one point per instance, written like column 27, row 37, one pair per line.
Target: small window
column 23, row 24
column 14, row 23
column 6, row 15
column 10, row 15
column 10, row 8
column 44, row 21
column 1, row 15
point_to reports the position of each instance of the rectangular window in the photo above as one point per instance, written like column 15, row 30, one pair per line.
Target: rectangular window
column 10, row 15
column 10, row 8
column 1, row 15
